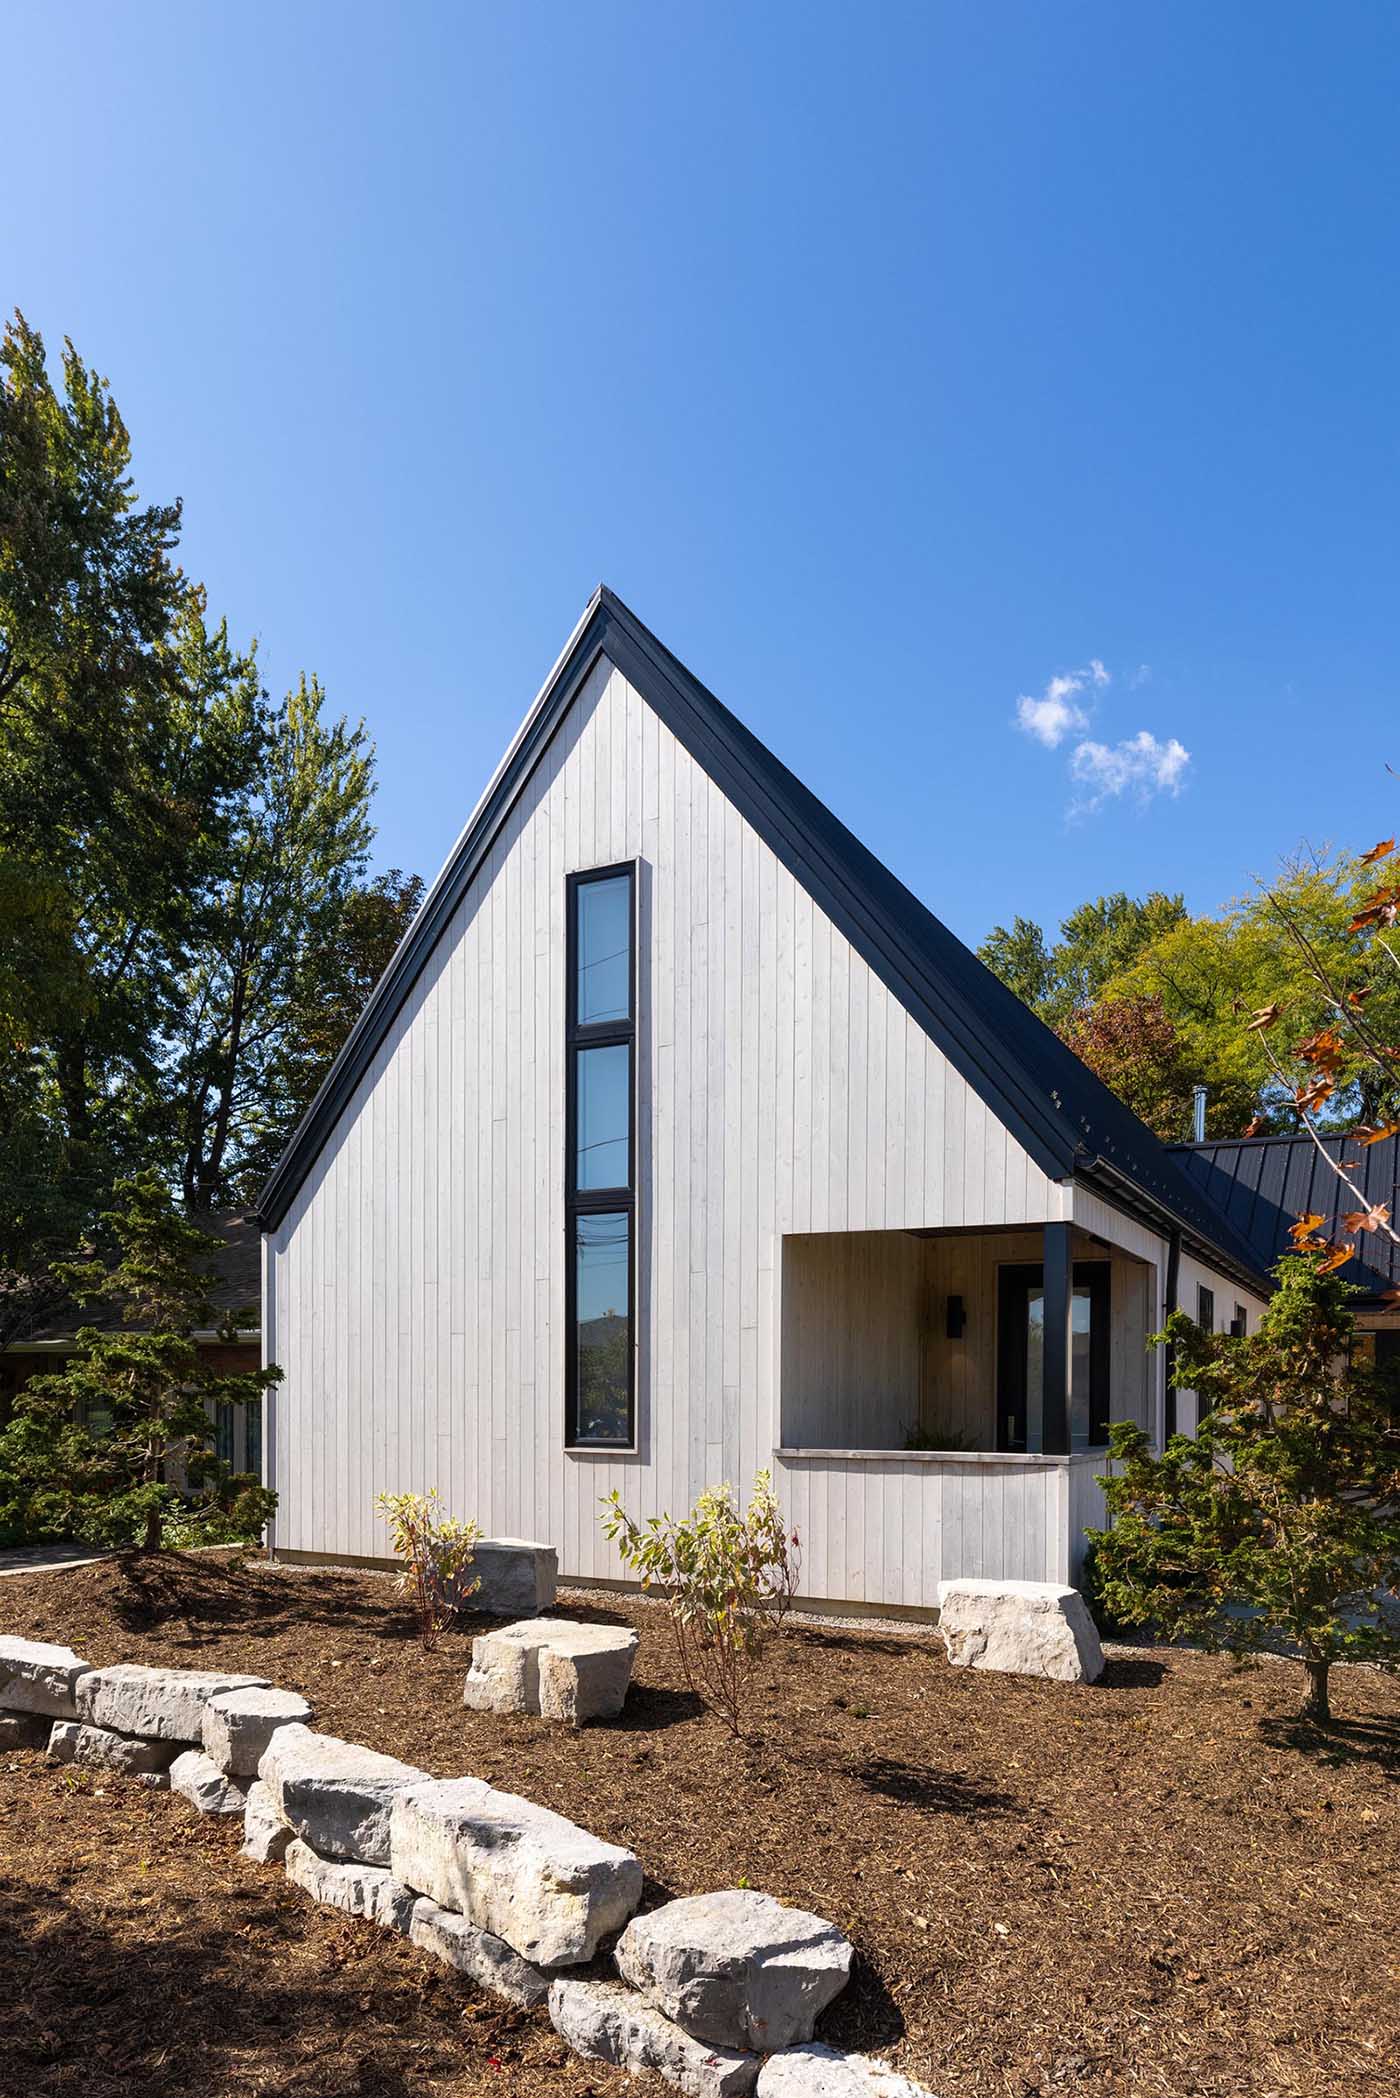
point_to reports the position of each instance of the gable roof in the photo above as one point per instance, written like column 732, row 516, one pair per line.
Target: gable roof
column 1065, row 1117
column 1262, row 1183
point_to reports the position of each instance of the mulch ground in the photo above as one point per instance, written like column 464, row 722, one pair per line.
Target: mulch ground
column 1161, row 1885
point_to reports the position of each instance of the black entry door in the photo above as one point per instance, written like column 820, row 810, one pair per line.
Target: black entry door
column 1021, row 1351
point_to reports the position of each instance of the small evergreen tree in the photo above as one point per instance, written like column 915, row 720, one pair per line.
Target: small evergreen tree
column 1279, row 1521
column 151, row 1387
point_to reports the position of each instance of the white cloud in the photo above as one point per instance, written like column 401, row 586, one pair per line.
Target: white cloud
column 1140, row 677
column 1141, row 765
column 1054, row 715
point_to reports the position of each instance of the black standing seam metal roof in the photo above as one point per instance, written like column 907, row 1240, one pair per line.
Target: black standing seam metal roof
column 1262, row 1183
column 1064, row 1116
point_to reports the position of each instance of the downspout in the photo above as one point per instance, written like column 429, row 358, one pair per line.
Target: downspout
column 1169, row 1306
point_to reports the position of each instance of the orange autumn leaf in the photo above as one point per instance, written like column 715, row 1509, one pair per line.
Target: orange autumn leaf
column 1255, row 1126
column 1360, row 997
column 1378, row 852
column 1335, row 1257
column 1366, row 1219
column 1306, row 1225
column 1264, row 1019
column 1308, row 1098
column 1375, row 1132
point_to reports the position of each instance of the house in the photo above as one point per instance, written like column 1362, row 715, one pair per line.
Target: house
column 235, row 1283
column 1262, row 1183
column 679, row 1140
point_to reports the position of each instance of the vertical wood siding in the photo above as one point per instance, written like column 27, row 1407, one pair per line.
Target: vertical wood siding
column 415, row 1289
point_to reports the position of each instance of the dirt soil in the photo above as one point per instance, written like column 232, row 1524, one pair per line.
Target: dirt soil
column 1161, row 1885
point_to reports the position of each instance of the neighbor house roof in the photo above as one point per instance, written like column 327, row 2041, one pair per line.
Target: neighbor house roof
column 235, row 1284
column 1058, row 1110
column 1263, row 1182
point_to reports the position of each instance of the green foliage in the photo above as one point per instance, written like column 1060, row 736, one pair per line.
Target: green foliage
column 179, row 853
column 1097, row 943
column 437, row 1553
column 727, row 1576
column 1124, row 966
column 120, row 1440
column 1279, row 1522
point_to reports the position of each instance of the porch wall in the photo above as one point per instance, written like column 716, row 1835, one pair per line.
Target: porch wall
column 881, row 1529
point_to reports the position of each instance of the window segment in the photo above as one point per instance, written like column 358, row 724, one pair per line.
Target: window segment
column 599, row 1160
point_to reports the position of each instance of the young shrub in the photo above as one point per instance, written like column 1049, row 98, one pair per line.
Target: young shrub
column 727, row 1577
column 99, row 1440
column 437, row 1553
column 1278, row 1524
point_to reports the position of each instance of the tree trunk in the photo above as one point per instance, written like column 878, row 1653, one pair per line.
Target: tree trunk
column 151, row 1541
column 1316, row 1705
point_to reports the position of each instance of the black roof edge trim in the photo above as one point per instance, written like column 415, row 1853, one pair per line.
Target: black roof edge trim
column 1103, row 1178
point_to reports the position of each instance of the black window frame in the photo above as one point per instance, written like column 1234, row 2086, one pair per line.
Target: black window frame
column 1205, row 1308
column 598, row 1201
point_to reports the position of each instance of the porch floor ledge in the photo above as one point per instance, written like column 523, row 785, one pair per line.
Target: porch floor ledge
column 1097, row 1456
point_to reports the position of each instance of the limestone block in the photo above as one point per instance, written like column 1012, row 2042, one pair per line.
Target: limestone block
column 815, row 2071
column 38, row 1677
column 24, row 1729
column 238, row 1724
column 477, row 1954
column 518, row 1576
column 266, row 1835
column 361, row 1890
column 334, row 1794
column 736, row 1968
column 198, row 1778
column 98, row 1747
column 164, row 1703
column 573, row 1672
column 514, row 1869
column 611, row 2024
column 1019, row 1628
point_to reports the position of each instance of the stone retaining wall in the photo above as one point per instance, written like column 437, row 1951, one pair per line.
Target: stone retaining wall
column 718, row 1993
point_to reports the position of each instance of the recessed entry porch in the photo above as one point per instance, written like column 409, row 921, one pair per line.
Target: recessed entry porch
column 946, row 1397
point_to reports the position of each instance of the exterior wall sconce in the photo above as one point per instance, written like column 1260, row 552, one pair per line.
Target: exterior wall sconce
column 956, row 1319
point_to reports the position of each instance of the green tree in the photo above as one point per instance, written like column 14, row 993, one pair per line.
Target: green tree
column 1278, row 1523
column 132, row 1406
column 272, row 909
column 1097, row 942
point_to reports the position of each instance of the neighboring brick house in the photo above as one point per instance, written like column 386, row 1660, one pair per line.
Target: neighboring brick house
column 235, row 1286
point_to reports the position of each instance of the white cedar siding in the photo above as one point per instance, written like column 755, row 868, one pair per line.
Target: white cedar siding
column 417, row 1281
column 1195, row 1276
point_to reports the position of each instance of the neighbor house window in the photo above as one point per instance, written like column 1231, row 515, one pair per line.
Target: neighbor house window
column 252, row 1437
column 1205, row 1309
column 1239, row 1324
column 223, row 1432
column 600, row 1164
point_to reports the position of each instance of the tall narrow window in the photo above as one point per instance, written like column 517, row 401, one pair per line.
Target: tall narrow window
column 599, row 1163
column 1205, row 1309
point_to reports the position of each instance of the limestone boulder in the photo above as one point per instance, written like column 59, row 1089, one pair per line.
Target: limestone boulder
column 1029, row 1628
column 815, row 2071
column 562, row 1670
column 360, row 1890
column 99, row 1748
column 24, row 1730
column 514, row 1869
column 484, row 1959
column 266, row 1836
column 736, row 1968
column 239, row 1724
column 334, row 1794
column 518, row 1577
column 608, row 2023
column 164, row 1703
column 198, row 1778
column 38, row 1677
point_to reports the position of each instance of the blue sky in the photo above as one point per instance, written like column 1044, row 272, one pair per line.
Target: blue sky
column 892, row 363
